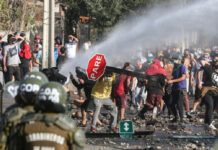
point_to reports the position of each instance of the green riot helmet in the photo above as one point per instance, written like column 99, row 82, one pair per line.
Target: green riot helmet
column 53, row 94
column 38, row 75
column 29, row 89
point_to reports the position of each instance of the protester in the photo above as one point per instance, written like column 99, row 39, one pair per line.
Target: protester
column 25, row 57
column 178, row 88
column 210, row 90
column 71, row 46
column 140, row 91
column 121, row 84
column 11, row 53
column 37, row 58
column 2, row 80
column 101, row 95
column 58, row 45
column 61, row 57
column 186, row 62
column 87, row 105
column 87, row 45
column 155, row 82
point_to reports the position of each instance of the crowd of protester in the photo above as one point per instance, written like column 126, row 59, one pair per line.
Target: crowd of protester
column 19, row 55
column 171, row 79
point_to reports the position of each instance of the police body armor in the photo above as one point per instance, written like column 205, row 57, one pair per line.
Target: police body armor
column 11, row 118
column 50, row 132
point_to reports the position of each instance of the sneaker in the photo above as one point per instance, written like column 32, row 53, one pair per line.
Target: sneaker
column 188, row 115
column 193, row 112
column 211, row 126
column 170, row 117
column 154, row 115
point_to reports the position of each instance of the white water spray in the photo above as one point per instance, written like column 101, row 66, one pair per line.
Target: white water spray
column 148, row 31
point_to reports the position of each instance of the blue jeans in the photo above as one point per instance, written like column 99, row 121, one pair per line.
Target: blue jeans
column 140, row 95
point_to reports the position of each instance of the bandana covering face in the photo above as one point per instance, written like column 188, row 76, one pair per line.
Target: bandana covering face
column 155, row 69
column 176, row 66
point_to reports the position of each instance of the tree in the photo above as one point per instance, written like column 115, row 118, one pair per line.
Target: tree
column 17, row 15
column 103, row 14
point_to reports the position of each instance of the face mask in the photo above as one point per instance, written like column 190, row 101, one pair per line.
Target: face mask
column 176, row 61
column 70, row 41
column 216, row 67
column 58, row 42
column 38, row 40
column 13, row 41
column 108, row 79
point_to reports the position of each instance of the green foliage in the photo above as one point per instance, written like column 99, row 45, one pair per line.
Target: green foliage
column 104, row 14
column 13, row 13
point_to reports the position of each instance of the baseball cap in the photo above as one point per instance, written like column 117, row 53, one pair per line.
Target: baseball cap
column 177, row 56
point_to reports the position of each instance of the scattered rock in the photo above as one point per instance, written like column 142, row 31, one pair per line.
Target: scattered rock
column 73, row 106
column 111, row 142
column 79, row 114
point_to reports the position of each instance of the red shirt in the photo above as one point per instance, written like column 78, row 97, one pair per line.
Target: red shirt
column 119, row 88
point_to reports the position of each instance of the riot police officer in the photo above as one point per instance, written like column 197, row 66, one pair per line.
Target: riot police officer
column 25, row 100
column 51, row 129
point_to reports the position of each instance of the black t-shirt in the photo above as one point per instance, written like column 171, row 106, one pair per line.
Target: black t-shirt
column 155, row 84
column 24, row 62
column 207, row 75
column 88, row 85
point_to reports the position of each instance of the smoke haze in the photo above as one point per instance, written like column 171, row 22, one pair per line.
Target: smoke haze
column 161, row 23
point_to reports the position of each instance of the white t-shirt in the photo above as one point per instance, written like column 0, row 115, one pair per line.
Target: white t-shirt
column 12, row 54
column 71, row 49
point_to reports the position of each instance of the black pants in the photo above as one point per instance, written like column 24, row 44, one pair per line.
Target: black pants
column 12, row 70
column 168, row 101
column 178, row 101
column 210, row 101
column 24, row 70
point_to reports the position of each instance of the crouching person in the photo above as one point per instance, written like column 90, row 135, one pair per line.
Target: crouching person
column 101, row 93
column 51, row 129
